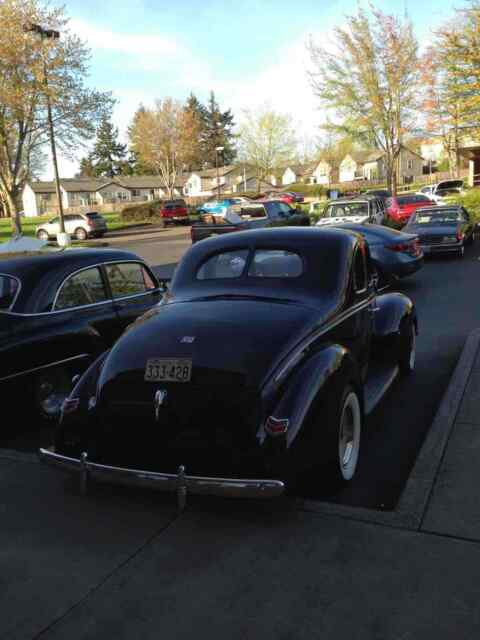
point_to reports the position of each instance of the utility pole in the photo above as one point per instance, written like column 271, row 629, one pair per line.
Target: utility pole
column 63, row 238
column 217, row 149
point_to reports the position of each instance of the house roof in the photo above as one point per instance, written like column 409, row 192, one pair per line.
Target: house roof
column 42, row 187
column 212, row 173
column 367, row 155
column 94, row 184
column 302, row 169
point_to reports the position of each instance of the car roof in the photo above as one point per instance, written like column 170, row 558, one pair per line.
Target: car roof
column 39, row 270
column 330, row 249
column 440, row 208
column 363, row 198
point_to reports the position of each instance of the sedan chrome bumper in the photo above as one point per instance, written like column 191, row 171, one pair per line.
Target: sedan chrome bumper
column 178, row 483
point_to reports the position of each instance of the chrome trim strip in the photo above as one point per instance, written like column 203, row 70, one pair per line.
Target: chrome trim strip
column 45, row 366
column 296, row 356
column 9, row 275
column 229, row 487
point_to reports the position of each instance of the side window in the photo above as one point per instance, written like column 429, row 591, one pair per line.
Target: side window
column 54, row 220
column 224, row 265
column 129, row 278
column 83, row 288
column 359, row 274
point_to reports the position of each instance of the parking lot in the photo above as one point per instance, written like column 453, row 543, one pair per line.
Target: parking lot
column 447, row 311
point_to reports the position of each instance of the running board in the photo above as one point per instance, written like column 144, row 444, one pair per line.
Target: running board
column 379, row 380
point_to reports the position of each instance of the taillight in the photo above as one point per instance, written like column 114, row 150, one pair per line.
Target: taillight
column 276, row 426
column 70, row 405
column 404, row 247
column 460, row 236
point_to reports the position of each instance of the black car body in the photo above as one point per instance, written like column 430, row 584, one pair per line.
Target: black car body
column 443, row 229
column 255, row 215
column 394, row 254
column 58, row 311
column 260, row 363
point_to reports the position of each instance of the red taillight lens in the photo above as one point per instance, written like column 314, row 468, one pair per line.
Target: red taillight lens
column 411, row 248
column 276, row 426
column 70, row 405
column 460, row 236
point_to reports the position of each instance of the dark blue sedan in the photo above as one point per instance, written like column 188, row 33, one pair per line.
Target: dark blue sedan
column 395, row 254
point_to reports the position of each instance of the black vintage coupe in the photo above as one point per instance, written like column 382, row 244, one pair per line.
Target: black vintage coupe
column 256, row 371
column 443, row 229
column 58, row 311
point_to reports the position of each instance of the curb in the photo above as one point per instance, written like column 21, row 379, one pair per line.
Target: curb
column 416, row 494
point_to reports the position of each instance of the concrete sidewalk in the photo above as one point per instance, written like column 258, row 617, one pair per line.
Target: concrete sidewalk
column 122, row 564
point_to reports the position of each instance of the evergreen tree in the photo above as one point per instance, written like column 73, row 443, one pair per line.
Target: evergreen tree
column 87, row 169
column 218, row 127
column 196, row 116
column 109, row 155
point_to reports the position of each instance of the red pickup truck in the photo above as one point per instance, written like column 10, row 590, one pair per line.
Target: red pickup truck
column 255, row 215
column 174, row 211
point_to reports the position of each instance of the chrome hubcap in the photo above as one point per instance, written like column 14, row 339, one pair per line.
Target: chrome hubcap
column 346, row 437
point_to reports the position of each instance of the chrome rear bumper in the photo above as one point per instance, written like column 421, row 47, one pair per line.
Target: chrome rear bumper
column 178, row 483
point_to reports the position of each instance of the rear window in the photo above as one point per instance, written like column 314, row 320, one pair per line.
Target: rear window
column 348, row 209
column 9, row 287
column 275, row 264
column 230, row 264
column 93, row 214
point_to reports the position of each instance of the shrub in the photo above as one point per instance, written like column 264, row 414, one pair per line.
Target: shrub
column 142, row 212
column 470, row 200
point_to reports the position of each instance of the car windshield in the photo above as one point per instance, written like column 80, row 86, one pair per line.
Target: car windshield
column 8, row 290
column 348, row 209
column 443, row 217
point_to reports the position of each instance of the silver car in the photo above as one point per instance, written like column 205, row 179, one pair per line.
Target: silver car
column 79, row 225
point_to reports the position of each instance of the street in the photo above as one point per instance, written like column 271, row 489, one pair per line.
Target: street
column 442, row 291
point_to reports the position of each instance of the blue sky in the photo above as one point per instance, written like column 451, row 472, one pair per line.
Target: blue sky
column 249, row 52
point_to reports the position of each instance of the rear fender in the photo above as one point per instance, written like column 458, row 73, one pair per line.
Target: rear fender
column 395, row 314
column 309, row 381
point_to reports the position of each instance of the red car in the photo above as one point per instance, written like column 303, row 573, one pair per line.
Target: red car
column 174, row 211
column 400, row 208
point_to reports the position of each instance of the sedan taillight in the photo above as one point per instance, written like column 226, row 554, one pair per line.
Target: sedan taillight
column 412, row 248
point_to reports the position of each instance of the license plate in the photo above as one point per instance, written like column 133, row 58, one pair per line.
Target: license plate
column 168, row 370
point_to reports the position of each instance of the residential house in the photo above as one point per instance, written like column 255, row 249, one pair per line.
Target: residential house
column 325, row 173
column 40, row 197
column 299, row 173
column 204, row 182
column 370, row 165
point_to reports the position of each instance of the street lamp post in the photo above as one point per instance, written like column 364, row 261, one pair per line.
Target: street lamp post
column 217, row 149
column 63, row 238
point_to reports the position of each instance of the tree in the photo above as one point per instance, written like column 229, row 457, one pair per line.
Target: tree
column 32, row 69
column 369, row 80
column 87, row 168
column 160, row 138
column 217, row 132
column 266, row 141
column 109, row 155
column 194, row 123
column 451, row 75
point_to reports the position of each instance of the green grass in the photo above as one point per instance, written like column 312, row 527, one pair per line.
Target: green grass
column 29, row 225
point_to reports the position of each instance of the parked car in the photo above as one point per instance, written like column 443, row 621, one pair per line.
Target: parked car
column 394, row 254
column 290, row 197
column 58, row 311
column 356, row 209
column 79, row 225
column 446, row 229
column 381, row 193
column 255, row 215
column 438, row 191
column 218, row 206
column 173, row 211
column 400, row 208
column 256, row 371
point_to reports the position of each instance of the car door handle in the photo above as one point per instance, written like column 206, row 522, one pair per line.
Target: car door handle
column 374, row 309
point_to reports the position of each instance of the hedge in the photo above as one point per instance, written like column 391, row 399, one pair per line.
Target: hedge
column 470, row 200
column 143, row 212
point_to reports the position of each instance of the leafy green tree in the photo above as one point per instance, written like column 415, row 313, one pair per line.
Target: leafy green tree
column 369, row 82
column 87, row 169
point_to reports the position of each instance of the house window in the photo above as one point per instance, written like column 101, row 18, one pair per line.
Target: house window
column 46, row 197
column 136, row 193
column 409, row 164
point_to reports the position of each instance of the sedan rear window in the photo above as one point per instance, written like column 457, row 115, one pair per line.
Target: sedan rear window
column 9, row 287
column 81, row 289
column 129, row 278
column 230, row 264
column 275, row 264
